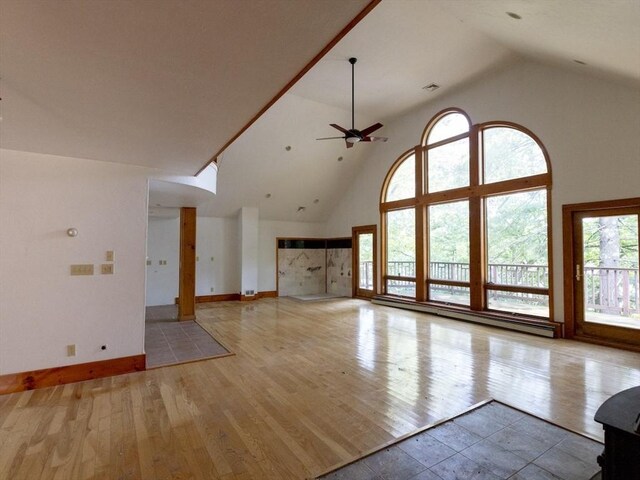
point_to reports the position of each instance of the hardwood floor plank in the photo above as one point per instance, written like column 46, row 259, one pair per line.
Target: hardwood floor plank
column 311, row 385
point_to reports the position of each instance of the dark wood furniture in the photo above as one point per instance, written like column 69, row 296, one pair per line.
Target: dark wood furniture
column 620, row 417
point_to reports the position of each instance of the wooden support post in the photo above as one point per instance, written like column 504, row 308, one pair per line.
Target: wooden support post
column 187, row 287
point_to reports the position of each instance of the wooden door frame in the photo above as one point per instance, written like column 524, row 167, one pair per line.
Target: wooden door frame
column 355, row 254
column 569, row 212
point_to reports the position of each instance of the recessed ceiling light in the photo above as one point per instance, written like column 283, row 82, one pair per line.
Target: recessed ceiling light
column 514, row 15
column 432, row 87
column 580, row 62
column 340, row 159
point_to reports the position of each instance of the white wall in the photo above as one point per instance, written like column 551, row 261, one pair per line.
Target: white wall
column 217, row 238
column 248, row 228
column 589, row 126
column 163, row 244
column 42, row 307
column 268, row 231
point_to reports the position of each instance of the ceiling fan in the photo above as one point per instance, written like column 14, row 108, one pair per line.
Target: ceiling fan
column 353, row 135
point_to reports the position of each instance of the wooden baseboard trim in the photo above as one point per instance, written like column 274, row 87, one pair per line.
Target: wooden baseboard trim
column 49, row 377
column 230, row 297
column 268, row 294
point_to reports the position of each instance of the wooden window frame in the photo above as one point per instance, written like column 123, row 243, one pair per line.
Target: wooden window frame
column 476, row 193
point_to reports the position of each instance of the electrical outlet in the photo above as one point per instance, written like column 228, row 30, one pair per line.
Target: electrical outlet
column 109, row 256
column 106, row 269
column 211, row 289
column 82, row 269
column 212, row 259
column 71, row 350
column 148, row 262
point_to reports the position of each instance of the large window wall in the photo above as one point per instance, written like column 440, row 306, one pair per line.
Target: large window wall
column 465, row 219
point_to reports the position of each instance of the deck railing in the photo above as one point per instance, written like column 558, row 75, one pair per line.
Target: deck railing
column 614, row 291
column 607, row 290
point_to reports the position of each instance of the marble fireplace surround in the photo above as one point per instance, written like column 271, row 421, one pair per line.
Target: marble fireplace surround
column 308, row 266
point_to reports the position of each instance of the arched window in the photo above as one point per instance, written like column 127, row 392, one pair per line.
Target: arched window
column 400, row 248
column 473, row 230
column 402, row 183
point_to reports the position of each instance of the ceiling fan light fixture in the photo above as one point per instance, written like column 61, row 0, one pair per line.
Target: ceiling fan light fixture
column 352, row 139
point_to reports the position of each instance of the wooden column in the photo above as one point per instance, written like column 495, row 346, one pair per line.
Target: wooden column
column 187, row 287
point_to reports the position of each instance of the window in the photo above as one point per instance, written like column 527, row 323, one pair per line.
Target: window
column 449, row 252
column 448, row 166
column 401, row 252
column 474, row 231
column 510, row 153
column 403, row 184
column 517, row 253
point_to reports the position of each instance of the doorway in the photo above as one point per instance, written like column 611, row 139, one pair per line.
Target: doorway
column 364, row 261
column 603, row 278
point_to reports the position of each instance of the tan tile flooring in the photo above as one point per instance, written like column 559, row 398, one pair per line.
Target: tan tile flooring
column 168, row 342
column 491, row 442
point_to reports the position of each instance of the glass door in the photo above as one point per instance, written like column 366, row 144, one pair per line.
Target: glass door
column 606, row 275
column 364, row 268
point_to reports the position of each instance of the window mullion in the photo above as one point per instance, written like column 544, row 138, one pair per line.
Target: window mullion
column 421, row 242
column 477, row 255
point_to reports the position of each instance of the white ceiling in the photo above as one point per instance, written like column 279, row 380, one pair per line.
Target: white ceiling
column 167, row 83
column 605, row 34
column 162, row 83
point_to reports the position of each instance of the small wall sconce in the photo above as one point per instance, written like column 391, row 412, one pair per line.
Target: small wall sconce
column 72, row 232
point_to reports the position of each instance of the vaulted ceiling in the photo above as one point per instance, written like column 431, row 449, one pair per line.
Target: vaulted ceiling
column 169, row 83
column 162, row 83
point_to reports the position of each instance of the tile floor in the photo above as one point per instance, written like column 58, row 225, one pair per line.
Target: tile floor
column 491, row 442
column 168, row 342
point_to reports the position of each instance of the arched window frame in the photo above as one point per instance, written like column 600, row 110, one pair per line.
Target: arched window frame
column 476, row 193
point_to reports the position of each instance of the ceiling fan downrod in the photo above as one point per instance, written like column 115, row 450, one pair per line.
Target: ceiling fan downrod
column 353, row 61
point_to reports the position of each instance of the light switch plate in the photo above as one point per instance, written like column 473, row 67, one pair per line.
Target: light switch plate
column 82, row 269
column 106, row 269
column 71, row 350
column 109, row 256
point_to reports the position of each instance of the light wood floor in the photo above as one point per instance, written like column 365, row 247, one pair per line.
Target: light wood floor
column 311, row 385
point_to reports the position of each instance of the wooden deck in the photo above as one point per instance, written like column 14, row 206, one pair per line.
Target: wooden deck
column 311, row 385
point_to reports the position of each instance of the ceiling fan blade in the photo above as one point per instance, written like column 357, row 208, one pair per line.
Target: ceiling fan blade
column 371, row 129
column 328, row 138
column 338, row 127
